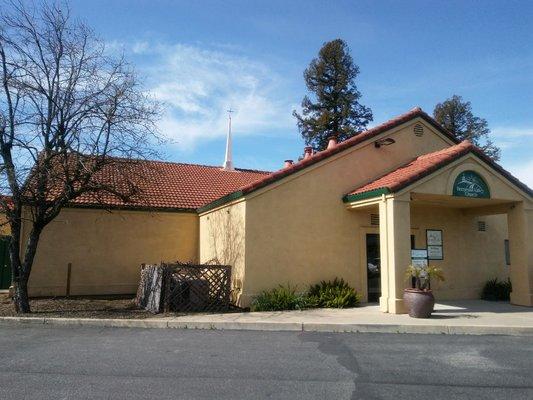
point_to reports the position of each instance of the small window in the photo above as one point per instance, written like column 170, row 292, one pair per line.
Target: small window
column 507, row 252
column 481, row 226
column 374, row 219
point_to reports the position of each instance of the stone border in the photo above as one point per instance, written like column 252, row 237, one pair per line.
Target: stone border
column 276, row 326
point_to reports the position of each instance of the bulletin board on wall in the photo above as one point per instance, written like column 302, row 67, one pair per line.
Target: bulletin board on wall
column 434, row 244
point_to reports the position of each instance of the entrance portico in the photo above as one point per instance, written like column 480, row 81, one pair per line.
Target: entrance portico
column 454, row 191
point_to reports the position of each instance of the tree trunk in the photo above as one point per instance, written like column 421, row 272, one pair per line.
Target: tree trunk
column 19, row 279
column 21, row 300
column 21, row 269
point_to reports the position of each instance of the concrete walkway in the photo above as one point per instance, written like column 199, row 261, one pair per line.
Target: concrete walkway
column 474, row 317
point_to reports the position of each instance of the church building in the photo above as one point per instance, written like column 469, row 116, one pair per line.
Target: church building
column 355, row 210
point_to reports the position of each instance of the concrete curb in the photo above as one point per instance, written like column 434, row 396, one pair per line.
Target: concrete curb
column 277, row 326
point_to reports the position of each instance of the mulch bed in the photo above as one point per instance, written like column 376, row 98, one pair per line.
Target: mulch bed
column 78, row 307
column 84, row 307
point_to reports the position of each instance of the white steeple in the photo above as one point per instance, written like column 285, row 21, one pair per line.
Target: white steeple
column 228, row 161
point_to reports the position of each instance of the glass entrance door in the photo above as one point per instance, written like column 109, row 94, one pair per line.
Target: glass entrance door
column 373, row 267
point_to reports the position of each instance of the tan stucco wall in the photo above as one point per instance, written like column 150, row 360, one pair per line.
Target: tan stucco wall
column 222, row 240
column 298, row 231
column 107, row 248
column 470, row 257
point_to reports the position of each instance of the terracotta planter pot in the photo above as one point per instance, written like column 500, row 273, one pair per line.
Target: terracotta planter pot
column 419, row 302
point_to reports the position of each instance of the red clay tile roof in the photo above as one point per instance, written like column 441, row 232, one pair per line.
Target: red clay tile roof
column 172, row 186
column 425, row 165
column 176, row 186
column 419, row 167
column 319, row 156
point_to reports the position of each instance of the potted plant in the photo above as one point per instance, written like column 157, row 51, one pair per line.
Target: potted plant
column 419, row 298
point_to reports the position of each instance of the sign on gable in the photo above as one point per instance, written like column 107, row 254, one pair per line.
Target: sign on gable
column 470, row 184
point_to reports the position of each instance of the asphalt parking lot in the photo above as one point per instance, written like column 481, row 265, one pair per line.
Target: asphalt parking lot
column 53, row 362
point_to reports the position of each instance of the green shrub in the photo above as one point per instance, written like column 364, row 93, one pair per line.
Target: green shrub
column 278, row 299
column 495, row 290
column 332, row 294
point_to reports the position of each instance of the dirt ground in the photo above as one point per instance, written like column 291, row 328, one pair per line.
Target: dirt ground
column 77, row 307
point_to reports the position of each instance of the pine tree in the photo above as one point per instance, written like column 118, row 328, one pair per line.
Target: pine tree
column 336, row 110
column 457, row 117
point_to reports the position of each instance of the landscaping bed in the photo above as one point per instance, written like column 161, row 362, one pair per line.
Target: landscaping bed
column 77, row 307
column 122, row 307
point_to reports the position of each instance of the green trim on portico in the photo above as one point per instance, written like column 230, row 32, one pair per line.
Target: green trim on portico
column 221, row 201
column 365, row 195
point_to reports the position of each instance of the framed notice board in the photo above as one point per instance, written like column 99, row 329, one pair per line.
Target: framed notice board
column 419, row 258
column 434, row 244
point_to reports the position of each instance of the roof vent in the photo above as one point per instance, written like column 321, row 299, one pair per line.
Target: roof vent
column 481, row 226
column 374, row 219
column 287, row 164
column 418, row 130
column 308, row 151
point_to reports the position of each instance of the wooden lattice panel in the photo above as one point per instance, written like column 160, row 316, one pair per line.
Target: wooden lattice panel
column 193, row 287
column 184, row 287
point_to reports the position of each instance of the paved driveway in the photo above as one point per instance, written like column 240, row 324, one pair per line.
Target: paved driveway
column 43, row 362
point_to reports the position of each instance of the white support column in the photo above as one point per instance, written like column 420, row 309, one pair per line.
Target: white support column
column 520, row 226
column 383, row 246
column 395, row 252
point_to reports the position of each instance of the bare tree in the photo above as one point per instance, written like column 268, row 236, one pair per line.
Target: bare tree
column 67, row 110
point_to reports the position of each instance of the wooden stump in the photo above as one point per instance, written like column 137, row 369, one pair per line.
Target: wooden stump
column 150, row 288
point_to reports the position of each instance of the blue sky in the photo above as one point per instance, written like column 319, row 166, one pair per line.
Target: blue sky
column 202, row 57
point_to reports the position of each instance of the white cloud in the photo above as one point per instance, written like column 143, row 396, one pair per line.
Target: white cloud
column 524, row 172
column 198, row 86
column 509, row 137
column 513, row 131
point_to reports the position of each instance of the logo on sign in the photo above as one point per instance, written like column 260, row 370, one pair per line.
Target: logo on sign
column 470, row 184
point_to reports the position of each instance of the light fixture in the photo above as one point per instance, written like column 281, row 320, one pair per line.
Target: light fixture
column 384, row 142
